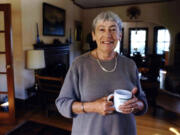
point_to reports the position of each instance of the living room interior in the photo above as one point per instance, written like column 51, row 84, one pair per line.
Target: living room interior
column 36, row 86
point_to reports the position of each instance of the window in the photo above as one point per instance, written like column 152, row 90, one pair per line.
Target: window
column 138, row 41
column 162, row 40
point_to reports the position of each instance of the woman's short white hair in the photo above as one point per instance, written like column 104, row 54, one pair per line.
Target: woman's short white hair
column 107, row 16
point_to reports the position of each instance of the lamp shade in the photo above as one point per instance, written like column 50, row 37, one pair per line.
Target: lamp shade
column 35, row 59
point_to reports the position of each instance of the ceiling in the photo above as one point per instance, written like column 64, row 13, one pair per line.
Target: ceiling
column 85, row 4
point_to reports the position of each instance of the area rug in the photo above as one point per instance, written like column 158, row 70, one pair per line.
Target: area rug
column 34, row 128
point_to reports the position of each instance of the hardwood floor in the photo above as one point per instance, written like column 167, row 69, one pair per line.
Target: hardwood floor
column 146, row 124
column 159, row 124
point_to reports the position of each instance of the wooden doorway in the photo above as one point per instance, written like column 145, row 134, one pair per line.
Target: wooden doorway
column 7, row 109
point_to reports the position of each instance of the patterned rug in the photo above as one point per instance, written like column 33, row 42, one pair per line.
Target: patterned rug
column 34, row 128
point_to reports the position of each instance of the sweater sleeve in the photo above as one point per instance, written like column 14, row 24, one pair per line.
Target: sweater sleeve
column 141, row 95
column 68, row 94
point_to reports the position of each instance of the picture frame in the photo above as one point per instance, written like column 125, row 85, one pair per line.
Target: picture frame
column 53, row 20
column 78, row 31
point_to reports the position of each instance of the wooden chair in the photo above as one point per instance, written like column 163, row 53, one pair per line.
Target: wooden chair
column 48, row 90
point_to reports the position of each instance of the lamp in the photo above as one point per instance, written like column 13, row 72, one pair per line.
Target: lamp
column 35, row 61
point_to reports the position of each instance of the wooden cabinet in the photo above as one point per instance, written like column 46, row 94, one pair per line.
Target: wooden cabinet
column 50, row 79
column 55, row 55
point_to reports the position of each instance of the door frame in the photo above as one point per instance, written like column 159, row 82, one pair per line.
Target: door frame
column 8, row 117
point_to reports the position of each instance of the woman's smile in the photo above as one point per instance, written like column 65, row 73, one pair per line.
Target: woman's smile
column 107, row 42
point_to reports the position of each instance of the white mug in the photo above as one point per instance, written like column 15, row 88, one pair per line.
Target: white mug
column 120, row 96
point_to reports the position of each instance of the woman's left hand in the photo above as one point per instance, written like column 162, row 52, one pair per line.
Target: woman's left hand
column 133, row 105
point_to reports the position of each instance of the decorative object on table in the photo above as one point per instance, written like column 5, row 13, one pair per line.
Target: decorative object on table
column 66, row 41
column 35, row 61
column 57, row 42
column 162, row 77
column 37, row 36
column 34, row 128
column 78, row 31
column 53, row 20
column 70, row 37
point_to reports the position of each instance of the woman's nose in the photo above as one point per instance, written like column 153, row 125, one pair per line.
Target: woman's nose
column 107, row 33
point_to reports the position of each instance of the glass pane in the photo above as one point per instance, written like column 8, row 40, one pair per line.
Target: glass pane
column 160, row 35
column 160, row 48
column 163, row 35
column 167, row 35
column 4, row 105
column 2, row 63
column 2, row 42
column 163, row 42
column 3, row 83
column 1, row 20
column 138, row 38
column 166, row 46
column 138, row 35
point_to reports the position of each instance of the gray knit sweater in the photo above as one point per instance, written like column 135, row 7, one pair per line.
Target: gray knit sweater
column 86, row 81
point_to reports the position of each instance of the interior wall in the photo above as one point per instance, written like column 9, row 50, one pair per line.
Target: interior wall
column 25, row 15
column 165, row 14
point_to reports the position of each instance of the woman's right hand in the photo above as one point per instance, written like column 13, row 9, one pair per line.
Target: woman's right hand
column 103, row 107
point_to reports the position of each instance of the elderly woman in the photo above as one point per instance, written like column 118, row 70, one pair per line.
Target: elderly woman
column 96, row 74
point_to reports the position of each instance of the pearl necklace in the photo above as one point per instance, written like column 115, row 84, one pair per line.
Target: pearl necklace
column 104, row 69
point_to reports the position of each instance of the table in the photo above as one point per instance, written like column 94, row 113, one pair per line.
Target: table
column 168, row 101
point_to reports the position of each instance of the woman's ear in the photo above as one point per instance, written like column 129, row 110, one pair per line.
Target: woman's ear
column 93, row 36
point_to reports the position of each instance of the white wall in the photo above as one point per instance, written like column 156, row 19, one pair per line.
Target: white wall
column 25, row 15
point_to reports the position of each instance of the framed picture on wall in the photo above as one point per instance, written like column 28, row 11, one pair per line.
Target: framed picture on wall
column 53, row 20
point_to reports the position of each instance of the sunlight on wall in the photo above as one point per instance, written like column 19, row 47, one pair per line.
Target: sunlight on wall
column 174, row 130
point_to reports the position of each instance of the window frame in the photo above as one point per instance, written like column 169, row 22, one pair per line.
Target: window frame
column 146, row 42
column 122, row 42
column 156, row 28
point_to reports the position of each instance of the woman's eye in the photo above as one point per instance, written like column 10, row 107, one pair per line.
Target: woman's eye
column 101, row 30
column 113, row 29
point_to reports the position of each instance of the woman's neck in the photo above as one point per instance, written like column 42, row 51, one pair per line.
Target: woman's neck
column 104, row 56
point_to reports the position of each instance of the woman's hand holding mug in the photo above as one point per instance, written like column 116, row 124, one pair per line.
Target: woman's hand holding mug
column 124, row 102
column 103, row 107
column 133, row 105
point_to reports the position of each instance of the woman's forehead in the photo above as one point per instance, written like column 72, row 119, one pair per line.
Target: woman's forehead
column 106, row 23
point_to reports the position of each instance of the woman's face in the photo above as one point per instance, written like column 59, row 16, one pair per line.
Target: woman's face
column 106, row 35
